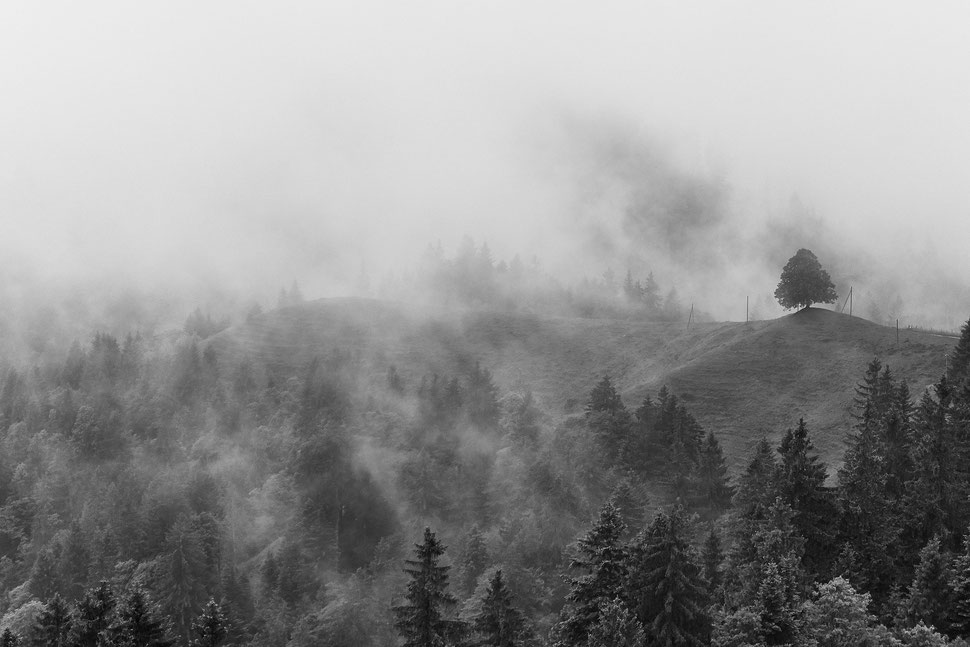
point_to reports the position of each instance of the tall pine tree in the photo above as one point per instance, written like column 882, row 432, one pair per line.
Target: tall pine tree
column 601, row 557
column 421, row 620
column 499, row 623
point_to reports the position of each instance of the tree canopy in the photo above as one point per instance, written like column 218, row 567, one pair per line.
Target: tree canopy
column 804, row 282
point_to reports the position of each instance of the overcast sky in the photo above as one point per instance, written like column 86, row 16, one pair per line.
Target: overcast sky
column 257, row 142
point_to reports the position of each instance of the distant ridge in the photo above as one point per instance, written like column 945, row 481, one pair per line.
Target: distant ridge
column 743, row 380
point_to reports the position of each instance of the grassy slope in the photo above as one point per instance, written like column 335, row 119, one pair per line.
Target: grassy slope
column 741, row 380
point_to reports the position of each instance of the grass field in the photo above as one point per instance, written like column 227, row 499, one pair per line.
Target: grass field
column 743, row 380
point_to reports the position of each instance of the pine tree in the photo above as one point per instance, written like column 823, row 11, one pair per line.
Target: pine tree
column 755, row 495
column 499, row 624
column 801, row 477
column 711, row 558
column 665, row 587
column 616, row 627
column 53, row 627
column 183, row 589
column 93, row 617
column 960, row 586
column 9, row 639
column 420, row 621
column 473, row 561
column 211, row 628
column 958, row 367
column 711, row 476
column 137, row 624
column 937, row 496
column 602, row 558
column 868, row 530
column 930, row 594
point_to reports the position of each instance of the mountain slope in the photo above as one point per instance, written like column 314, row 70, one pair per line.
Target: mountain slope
column 743, row 380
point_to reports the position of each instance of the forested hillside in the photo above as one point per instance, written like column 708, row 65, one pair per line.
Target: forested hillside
column 357, row 473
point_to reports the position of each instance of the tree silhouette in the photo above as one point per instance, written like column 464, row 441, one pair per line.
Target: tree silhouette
column 804, row 282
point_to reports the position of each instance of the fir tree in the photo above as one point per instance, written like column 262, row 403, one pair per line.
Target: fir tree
column 711, row 558
column 420, row 620
column 601, row 556
column 711, row 477
column 499, row 624
column 473, row 561
column 958, row 367
column 9, row 639
column 93, row 617
column 211, row 628
column 53, row 627
column 800, row 477
column 616, row 627
column 665, row 587
column 137, row 625
column 930, row 594
column 183, row 589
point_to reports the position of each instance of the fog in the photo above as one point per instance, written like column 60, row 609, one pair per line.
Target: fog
column 222, row 150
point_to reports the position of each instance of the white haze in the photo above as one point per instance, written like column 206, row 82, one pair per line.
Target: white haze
column 238, row 146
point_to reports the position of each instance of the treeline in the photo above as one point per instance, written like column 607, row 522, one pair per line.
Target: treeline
column 882, row 558
column 474, row 278
column 187, row 471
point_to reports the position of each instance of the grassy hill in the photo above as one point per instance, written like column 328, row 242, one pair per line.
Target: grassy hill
column 743, row 380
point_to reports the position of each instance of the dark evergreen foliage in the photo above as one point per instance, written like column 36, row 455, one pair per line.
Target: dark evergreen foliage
column 665, row 587
column 499, row 623
column 211, row 628
column 421, row 621
column 601, row 558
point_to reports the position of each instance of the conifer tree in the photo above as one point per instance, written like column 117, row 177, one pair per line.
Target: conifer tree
column 937, row 495
column 601, row 557
column 137, row 624
column 711, row 477
column 958, row 367
column 616, row 627
column 930, row 594
column 183, row 589
column 711, row 558
column 868, row 532
column 755, row 495
column 499, row 624
column 473, row 560
column 665, row 587
column 211, row 628
column 800, row 477
column 960, row 587
column 9, row 639
column 53, row 627
column 93, row 617
column 420, row 620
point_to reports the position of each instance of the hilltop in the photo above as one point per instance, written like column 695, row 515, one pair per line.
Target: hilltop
column 743, row 380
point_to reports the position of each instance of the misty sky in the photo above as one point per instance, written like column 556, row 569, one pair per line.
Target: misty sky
column 252, row 143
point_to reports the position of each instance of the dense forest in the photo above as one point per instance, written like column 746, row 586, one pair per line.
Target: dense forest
column 153, row 492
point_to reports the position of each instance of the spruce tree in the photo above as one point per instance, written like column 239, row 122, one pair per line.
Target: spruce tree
column 93, row 617
column 9, row 639
column 499, row 624
column 868, row 531
column 420, row 620
column 137, row 625
column 958, row 366
column 53, row 626
column 711, row 476
column 711, row 558
column 183, row 564
column 930, row 595
column 801, row 477
column 665, row 587
column 601, row 557
column 211, row 628
column 616, row 627
column 473, row 560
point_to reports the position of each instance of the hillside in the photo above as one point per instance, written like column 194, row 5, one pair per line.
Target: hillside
column 741, row 380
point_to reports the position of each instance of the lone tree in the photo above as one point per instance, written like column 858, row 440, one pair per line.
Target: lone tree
column 804, row 282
